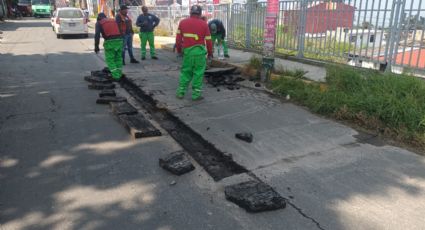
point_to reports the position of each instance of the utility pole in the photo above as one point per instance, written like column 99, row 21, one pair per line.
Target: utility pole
column 269, row 39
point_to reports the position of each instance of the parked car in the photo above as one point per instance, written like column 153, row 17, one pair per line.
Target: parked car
column 69, row 20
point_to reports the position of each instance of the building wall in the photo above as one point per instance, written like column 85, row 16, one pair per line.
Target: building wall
column 329, row 16
column 322, row 17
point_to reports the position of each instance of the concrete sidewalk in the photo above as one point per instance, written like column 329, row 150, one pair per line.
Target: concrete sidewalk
column 335, row 176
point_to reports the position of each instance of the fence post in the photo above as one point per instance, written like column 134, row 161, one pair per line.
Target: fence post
column 248, row 24
column 301, row 28
column 228, row 21
column 394, row 35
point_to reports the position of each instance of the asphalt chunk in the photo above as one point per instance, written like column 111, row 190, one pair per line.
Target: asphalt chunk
column 119, row 108
column 177, row 163
column 254, row 196
column 108, row 99
column 139, row 126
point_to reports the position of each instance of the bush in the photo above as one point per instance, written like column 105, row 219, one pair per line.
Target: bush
column 392, row 104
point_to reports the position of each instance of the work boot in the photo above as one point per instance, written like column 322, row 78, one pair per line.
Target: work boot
column 143, row 58
column 134, row 61
column 226, row 56
column 155, row 58
column 123, row 62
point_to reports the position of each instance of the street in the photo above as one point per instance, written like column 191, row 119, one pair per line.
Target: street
column 67, row 163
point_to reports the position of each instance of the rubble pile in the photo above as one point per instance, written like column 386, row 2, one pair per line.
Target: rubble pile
column 227, row 77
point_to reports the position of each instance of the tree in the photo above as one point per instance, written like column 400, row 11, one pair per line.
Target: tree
column 367, row 25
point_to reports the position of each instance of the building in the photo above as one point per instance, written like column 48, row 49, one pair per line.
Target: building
column 322, row 16
column 406, row 60
column 364, row 38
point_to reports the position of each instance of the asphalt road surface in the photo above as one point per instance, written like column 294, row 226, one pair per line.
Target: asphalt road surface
column 66, row 163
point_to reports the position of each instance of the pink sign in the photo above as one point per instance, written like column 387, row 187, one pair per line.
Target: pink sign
column 270, row 28
column 272, row 6
column 269, row 36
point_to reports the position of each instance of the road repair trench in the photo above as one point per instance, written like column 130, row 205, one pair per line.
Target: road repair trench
column 216, row 163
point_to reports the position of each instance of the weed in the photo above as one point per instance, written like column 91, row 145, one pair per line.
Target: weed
column 391, row 104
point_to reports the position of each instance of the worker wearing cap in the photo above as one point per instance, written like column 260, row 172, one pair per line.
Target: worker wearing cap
column 147, row 23
column 192, row 36
column 218, row 34
column 112, row 44
column 126, row 28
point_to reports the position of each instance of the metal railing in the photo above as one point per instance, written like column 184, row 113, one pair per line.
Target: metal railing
column 379, row 34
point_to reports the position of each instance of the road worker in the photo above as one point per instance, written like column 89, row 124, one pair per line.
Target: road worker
column 112, row 44
column 193, row 35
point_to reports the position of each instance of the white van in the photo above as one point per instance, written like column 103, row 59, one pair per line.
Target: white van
column 69, row 20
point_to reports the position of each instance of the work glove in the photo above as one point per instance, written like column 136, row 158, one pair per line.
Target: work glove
column 96, row 50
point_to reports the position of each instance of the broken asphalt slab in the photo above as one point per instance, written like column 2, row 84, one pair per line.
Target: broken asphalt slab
column 119, row 108
column 177, row 163
column 108, row 99
column 139, row 126
column 93, row 79
column 107, row 92
column 215, row 71
column 254, row 196
column 248, row 137
column 101, row 86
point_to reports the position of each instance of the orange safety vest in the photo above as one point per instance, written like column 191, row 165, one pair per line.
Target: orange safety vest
column 110, row 28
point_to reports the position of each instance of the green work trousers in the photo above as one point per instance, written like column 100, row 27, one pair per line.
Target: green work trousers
column 144, row 38
column 193, row 68
column 113, row 56
column 217, row 38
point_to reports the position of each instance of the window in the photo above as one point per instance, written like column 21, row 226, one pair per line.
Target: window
column 372, row 38
column 70, row 14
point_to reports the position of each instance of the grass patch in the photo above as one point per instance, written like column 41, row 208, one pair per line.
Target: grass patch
column 253, row 66
column 393, row 105
column 296, row 73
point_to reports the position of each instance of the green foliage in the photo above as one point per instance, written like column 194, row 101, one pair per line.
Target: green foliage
column 297, row 73
column 255, row 62
column 393, row 104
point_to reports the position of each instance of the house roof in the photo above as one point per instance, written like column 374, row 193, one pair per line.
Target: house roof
column 417, row 60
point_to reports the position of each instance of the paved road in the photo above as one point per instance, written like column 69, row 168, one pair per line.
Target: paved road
column 67, row 164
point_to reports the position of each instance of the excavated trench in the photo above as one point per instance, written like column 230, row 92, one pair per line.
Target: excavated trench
column 216, row 163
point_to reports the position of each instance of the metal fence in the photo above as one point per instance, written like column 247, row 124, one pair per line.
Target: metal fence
column 379, row 34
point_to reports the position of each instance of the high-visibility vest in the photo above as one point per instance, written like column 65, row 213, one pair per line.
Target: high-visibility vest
column 110, row 28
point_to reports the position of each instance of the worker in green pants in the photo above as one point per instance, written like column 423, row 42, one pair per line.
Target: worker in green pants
column 113, row 44
column 113, row 57
column 147, row 23
column 193, row 68
column 192, row 37
column 218, row 35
